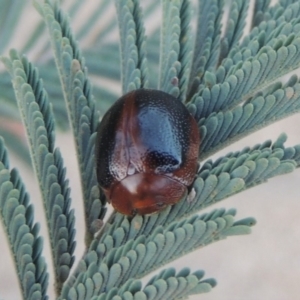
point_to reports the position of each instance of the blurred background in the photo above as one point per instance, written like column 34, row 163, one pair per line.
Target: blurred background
column 263, row 265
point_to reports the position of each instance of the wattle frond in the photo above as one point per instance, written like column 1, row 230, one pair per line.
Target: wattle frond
column 236, row 22
column 207, row 42
column 175, row 48
column 26, row 245
column 47, row 161
column 169, row 285
column 270, row 105
column 133, row 48
column 259, row 10
column 127, row 253
column 268, row 33
column 166, row 285
column 81, row 108
column 233, row 82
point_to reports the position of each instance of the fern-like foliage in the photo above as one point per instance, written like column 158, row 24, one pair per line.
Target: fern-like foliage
column 236, row 80
column 133, row 52
column 207, row 42
column 23, row 234
column 81, row 107
column 229, row 86
column 260, row 7
column 47, row 161
column 270, row 105
column 175, row 48
column 235, row 26
column 133, row 250
column 166, row 285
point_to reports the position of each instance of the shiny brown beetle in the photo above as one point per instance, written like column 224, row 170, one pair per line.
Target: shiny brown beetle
column 146, row 152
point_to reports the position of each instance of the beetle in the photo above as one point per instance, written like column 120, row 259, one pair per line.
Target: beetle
column 146, row 152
